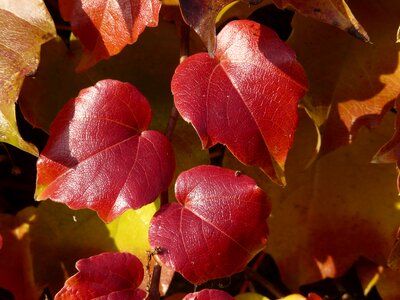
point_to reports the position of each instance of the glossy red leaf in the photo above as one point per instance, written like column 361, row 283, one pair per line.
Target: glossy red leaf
column 105, row 27
column 201, row 15
column 113, row 276
column 217, row 226
column 246, row 97
column 100, row 155
column 208, row 294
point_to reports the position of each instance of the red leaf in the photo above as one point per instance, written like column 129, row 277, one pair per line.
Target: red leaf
column 105, row 27
column 217, row 226
column 246, row 97
column 208, row 295
column 201, row 15
column 100, row 156
column 113, row 276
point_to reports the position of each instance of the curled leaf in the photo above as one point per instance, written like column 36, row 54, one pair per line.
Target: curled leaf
column 217, row 226
column 333, row 12
column 105, row 276
column 201, row 15
column 100, row 155
column 248, row 92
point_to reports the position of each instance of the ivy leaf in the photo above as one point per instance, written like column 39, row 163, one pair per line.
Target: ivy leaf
column 335, row 13
column 246, row 97
column 100, row 155
column 208, row 294
column 201, row 15
column 217, row 226
column 356, row 85
column 109, row 275
column 24, row 25
column 105, row 27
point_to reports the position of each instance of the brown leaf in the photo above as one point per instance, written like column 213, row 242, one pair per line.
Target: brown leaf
column 333, row 12
column 16, row 273
column 352, row 83
column 24, row 26
column 201, row 15
column 342, row 206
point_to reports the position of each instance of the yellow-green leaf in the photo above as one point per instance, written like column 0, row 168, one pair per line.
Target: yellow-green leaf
column 24, row 26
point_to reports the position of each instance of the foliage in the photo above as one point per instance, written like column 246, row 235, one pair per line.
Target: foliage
column 291, row 114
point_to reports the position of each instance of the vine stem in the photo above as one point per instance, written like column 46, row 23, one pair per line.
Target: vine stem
column 154, row 293
column 184, row 32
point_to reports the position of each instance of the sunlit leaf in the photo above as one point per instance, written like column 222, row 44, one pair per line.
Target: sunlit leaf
column 333, row 12
column 105, row 27
column 220, row 218
column 351, row 83
column 24, row 26
column 105, row 276
column 248, row 92
column 100, row 155
column 201, row 15
column 208, row 294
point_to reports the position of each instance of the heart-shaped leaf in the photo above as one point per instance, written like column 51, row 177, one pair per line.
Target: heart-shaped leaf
column 24, row 25
column 105, row 27
column 201, row 15
column 217, row 226
column 246, row 97
column 105, row 276
column 208, row 294
column 333, row 12
column 100, row 155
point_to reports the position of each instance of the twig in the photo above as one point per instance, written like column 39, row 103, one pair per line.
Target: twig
column 264, row 282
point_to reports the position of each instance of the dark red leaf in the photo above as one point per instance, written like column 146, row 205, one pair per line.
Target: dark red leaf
column 112, row 276
column 246, row 97
column 217, row 226
column 105, row 27
column 100, row 155
column 208, row 295
column 201, row 15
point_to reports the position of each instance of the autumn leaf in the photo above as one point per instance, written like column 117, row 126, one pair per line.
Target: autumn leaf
column 340, row 206
column 105, row 27
column 248, row 92
column 351, row 83
column 24, row 25
column 100, row 155
column 220, row 217
column 333, row 12
column 107, row 275
column 16, row 265
column 208, row 294
column 201, row 15
column 398, row 35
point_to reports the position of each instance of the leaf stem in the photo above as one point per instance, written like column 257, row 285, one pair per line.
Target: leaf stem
column 154, row 292
column 183, row 31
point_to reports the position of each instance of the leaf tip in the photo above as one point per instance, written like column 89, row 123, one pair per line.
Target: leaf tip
column 360, row 34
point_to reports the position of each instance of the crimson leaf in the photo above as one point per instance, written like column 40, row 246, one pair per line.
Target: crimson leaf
column 105, row 27
column 207, row 294
column 246, row 97
column 114, row 276
column 100, row 155
column 217, row 226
